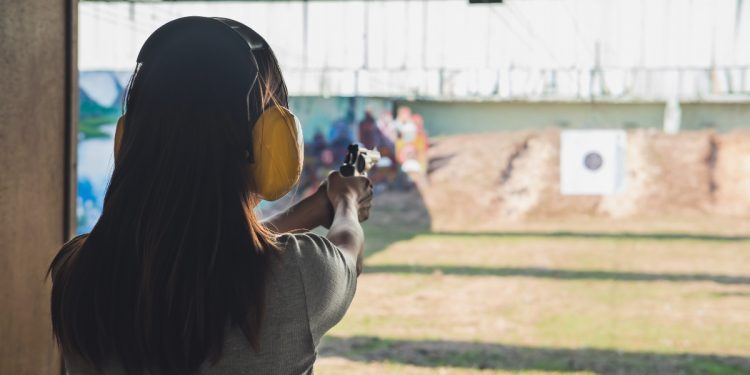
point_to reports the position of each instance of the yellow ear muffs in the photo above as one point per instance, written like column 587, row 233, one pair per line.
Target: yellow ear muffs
column 278, row 151
column 118, row 135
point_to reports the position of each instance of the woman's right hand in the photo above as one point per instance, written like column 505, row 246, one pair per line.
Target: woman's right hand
column 356, row 190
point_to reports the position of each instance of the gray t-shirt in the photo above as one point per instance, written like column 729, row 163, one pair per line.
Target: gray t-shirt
column 310, row 287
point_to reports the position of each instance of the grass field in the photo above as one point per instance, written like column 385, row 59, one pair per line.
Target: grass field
column 555, row 303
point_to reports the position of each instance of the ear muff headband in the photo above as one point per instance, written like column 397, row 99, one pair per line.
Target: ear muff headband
column 277, row 144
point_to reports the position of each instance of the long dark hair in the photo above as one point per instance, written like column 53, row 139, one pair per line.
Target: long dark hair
column 178, row 255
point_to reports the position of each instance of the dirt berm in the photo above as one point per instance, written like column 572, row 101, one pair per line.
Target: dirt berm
column 506, row 180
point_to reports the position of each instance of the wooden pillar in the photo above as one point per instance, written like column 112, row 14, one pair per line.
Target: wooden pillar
column 38, row 117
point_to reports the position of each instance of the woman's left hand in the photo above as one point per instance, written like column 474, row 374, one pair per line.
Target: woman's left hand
column 363, row 205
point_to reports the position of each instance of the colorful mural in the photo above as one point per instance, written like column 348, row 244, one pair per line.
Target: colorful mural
column 100, row 98
column 329, row 125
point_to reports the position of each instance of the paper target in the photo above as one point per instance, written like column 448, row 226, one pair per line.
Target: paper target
column 592, row 162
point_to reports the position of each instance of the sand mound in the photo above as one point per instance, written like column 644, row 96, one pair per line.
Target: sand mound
column 493, row 181
column 731, row 174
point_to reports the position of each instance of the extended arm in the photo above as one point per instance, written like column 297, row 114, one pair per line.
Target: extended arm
column 351, row 198
column 346, row 232
column 340, row 204
column 305, row 215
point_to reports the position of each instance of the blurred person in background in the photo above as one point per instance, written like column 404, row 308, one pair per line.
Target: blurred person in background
column 421, row 144
column 179, row 276
column 388, row 169
column 387, row 126
column 408, row 151
column 369, row 134
column 341, row 135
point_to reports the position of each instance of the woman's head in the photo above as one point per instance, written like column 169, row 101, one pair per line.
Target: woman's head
column 177, row 254
column 202, row 79
column 222, row 70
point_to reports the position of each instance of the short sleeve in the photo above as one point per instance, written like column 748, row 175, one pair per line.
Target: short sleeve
column 329, row 278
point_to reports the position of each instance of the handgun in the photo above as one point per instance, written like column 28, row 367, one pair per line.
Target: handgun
column 358, row 161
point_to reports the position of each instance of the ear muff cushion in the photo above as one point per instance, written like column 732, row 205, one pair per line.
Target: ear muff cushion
column 278, row 149
column 118, row 134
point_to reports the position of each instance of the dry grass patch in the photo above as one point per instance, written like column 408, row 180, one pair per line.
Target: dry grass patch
column 496, row 304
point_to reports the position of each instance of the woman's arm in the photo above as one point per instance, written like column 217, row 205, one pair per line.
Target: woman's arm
column 340, row 204
column 346, row 233
column 350, row 197
column 305, row 215
column 317, row 209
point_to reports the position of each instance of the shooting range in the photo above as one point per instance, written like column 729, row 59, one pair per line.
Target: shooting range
column 563, row 185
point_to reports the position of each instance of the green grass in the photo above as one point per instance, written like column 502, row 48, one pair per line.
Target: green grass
column 90, row 127
column 379, row 237
column 551, row 303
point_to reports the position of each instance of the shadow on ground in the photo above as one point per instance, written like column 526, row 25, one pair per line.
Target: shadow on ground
column 395, row 217
column 600, row 235
column 557, row 274
column 393, row 228
column 461, row 354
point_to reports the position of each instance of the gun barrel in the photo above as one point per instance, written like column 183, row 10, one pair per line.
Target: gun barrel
column 359, row 160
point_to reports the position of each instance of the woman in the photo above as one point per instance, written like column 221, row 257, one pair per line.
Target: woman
column 179, row 276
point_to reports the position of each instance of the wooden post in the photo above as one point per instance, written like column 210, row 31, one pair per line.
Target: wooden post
column 38, row 117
